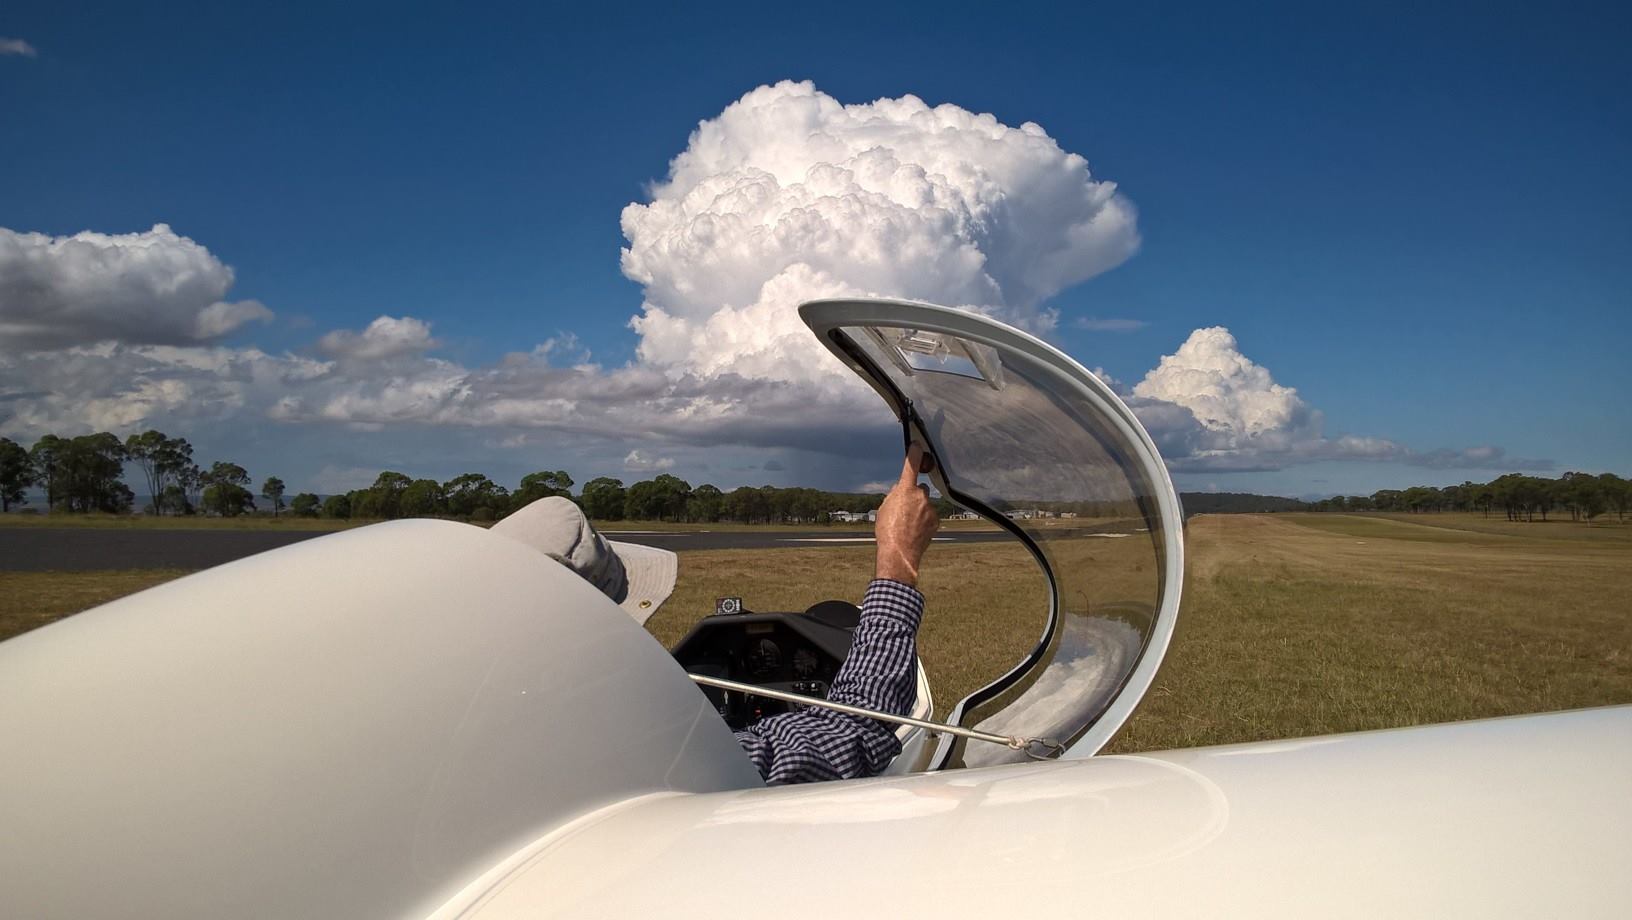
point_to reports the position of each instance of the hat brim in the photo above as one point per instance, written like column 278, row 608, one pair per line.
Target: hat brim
column 651, row 573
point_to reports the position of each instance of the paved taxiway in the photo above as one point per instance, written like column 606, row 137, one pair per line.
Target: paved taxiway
column 43, row 549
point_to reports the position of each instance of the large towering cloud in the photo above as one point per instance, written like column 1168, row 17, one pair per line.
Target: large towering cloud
column 153, row 287
column 789, row 195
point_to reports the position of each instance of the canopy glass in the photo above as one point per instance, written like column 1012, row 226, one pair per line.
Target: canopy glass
column 1025, row 436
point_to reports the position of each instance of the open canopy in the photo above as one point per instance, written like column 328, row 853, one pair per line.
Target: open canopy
column 1026, row 437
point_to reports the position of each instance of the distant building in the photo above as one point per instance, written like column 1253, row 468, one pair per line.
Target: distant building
column 852, row 517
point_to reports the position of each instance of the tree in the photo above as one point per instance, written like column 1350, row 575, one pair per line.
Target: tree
column 46, row 457
column 1617, row 493
column 16, row 474
column 706, row 504
column 175, row 501
column 1582, row 495
column 472, row 492
column 191, row 480
column 272, row 490
column 337, row 507
column 161, row 459
column 82, row 473
column 384, row 496
column 747, row 504
column 676, row 492
column 422, row 498
column 544, row 484
column 304, row 505
column 225, row 490
column 603, row 498
column 660, row 499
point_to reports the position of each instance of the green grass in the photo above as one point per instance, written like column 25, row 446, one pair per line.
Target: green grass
column 1291, row 624
column 1605, row 528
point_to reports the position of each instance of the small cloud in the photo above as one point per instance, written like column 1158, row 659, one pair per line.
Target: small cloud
column 882, row 485
column 16, row 47
column 220, row 318
column 640, row 461
column 1109, row 324
column 1484, row 457
column 773, row 466
column 386, row 337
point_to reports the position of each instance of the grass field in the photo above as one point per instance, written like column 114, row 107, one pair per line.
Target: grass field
column 32, row 599
column 1291, row 624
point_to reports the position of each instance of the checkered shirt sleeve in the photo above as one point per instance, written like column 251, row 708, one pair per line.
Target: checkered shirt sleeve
column 880, row 673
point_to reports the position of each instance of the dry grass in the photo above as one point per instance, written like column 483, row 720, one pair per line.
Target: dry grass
column 1606, row 528
column 1291, row 624
column 32, row 599
column 1307, row 624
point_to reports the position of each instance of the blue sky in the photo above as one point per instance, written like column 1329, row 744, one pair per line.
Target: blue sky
column 1421, row 221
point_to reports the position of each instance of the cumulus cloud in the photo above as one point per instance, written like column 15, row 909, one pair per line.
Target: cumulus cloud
column 114, row 387
column 1222, row 387
column 386, row 337
column 640, row 461
column 789, row 195
column 154, row 287
column 16, row 47
column 1210, row 407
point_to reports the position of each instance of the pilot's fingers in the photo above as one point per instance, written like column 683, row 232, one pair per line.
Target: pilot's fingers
column 909, row 468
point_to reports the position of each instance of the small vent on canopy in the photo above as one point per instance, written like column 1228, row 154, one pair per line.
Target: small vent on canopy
column 913, row 350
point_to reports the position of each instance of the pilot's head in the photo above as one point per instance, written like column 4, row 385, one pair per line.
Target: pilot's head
column 638, row 578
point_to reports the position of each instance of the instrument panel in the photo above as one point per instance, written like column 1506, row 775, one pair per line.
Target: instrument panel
column 791, row 652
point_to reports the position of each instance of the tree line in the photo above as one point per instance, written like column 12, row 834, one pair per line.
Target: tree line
column 1584, row 496
column 475, row 497
column 86, row 473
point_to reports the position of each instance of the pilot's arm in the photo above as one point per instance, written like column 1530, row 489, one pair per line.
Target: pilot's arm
column 879, row 673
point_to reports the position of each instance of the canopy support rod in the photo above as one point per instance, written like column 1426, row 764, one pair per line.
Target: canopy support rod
column 1037, row 748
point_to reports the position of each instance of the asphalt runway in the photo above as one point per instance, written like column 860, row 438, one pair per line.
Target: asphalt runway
column 42, row 549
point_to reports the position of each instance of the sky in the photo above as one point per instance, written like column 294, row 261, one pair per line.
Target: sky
column 1317, row 251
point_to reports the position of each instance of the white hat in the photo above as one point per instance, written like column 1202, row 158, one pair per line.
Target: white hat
column 638, row 578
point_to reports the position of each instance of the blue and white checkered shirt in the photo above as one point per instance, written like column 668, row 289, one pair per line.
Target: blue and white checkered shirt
column 880, row 673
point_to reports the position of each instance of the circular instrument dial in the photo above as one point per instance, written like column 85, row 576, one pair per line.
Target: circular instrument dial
column 764, row 658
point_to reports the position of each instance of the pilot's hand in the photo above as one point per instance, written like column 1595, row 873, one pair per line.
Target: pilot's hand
column 906, row 523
